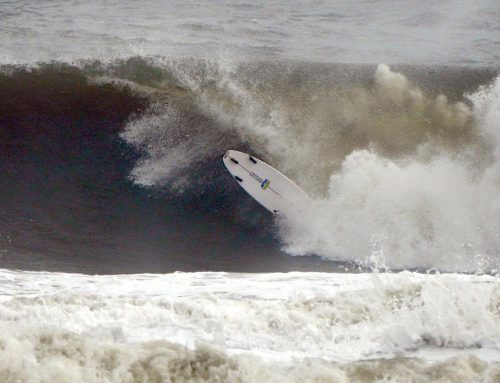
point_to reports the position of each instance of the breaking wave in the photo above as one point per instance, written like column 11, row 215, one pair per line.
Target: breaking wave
column 402, row 163
column 402, row 176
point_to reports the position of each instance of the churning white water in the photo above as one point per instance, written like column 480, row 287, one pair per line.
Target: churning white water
column 425, row 210
column 233, row 327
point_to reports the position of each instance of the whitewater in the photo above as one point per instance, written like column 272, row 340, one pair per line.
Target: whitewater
column 249, row 328
column 127, row 252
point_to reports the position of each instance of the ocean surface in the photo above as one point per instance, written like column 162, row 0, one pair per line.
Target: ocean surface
column 127, row 252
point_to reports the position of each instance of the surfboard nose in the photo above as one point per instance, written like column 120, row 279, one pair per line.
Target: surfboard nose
column 229, row 154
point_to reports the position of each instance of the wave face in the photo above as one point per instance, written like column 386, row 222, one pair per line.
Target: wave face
column 67, row 203
column 111, row 161
column 232, row 327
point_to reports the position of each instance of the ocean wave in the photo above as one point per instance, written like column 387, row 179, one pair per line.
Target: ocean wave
column 401, row 164
column 398, row 171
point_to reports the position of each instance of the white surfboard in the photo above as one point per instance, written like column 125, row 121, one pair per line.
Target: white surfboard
column 272, row 189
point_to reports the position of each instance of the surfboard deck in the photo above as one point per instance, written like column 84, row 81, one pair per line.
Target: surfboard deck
column 272, row 189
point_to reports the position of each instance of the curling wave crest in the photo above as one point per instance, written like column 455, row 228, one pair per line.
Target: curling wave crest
column 402, row 176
